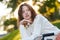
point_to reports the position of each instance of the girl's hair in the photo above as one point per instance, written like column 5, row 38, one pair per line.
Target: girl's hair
column 33, row 13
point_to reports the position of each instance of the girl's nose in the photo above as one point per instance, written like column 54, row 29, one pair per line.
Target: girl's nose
column 26, row 12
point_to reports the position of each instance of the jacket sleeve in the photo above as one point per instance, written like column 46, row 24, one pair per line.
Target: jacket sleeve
column 48, row 27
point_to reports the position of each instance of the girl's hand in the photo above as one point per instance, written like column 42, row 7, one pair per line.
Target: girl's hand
column 22, row 21
column 25, row 22
column 58, row 36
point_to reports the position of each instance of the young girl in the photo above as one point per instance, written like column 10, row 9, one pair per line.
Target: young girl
column 32, row 26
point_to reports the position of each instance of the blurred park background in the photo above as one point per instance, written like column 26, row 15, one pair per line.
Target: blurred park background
column 9, row 15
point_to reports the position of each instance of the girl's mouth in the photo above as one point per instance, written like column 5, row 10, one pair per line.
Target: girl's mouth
column 26, row 15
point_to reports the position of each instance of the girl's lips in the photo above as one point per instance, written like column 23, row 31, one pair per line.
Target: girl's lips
column 26, row 15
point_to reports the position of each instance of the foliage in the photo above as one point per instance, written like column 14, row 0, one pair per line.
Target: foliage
column 11, row 21
column 57, row 24
column 7, row 22
column 36, row 0
column 10, row 30
column 12, row 4
column 1, row 0
column 54, row 16
column 50, row 3
column 43, row 9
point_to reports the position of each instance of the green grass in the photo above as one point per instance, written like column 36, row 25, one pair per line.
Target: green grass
column 10, row 36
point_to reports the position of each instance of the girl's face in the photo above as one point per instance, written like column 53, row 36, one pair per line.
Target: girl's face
column 26, row 13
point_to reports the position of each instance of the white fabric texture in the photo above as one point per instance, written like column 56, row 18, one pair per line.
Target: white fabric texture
column 40, row 26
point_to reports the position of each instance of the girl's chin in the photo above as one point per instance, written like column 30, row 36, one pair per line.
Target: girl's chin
column 27, row 19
